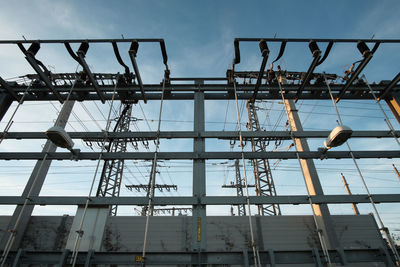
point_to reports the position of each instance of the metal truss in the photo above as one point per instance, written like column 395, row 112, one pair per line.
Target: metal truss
column 262, row 172
column 111, row 175
column 92, row 86
column 212, row 92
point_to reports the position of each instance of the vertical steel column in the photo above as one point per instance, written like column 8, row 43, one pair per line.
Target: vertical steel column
column 48, row 147
column 312, row 181
column 394, row 104
column 199, row 174
column 5, row 102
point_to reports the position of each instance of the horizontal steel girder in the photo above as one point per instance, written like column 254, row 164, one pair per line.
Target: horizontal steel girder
column 206, row 257
column 207, row 200
column 212, row 92
column 194, row 155
column 284, row 135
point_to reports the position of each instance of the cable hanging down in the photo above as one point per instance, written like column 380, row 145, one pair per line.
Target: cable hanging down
column 152, row 177
column 384, row 229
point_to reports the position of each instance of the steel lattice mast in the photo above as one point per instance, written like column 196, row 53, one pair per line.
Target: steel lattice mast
column 239, row 188
column 262, row 172
column 111, row 175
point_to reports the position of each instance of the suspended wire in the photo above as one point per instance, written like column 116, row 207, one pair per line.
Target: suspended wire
column 382, row 226
column 90, row 115
column 144, row 116
column 320, row 236
column 255, row 252
column 152, row 177
column 309, row 114
column 101, row 112
column 58, row 111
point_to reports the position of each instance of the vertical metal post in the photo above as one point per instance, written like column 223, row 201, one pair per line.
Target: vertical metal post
column 5, row 102
column 312, row 181
column 27, row 212
column 394, row 105
column 346, row 185
column 199, row 174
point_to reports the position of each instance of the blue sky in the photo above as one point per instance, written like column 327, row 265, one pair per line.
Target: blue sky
column 199, row 40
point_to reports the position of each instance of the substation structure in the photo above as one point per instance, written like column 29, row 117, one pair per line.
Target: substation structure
column 95, row 236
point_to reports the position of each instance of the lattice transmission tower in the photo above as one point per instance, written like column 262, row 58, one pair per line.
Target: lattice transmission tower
column 262, row 172
column 111, row 175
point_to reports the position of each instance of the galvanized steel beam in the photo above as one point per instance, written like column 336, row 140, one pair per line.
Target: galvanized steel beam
column 205, row 200
column 198, row 155
column 283, row 135
column 211, row 92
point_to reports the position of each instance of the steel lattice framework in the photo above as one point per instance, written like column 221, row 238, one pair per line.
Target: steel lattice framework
column 111, row 175
column 261, row 169
column 303, row 84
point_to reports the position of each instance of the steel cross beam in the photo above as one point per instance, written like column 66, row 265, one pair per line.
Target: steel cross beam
column 211, row 92
column 205, row 200
column 198, row 155
column 229, row 135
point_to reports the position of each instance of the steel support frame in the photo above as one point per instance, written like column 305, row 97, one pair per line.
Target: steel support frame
column 262, row 172
column 228, row 135
column 206, row 200
column 200, row 155
column 199, row 216
column 321, row 212
column 211, row 92
column 111, row 175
